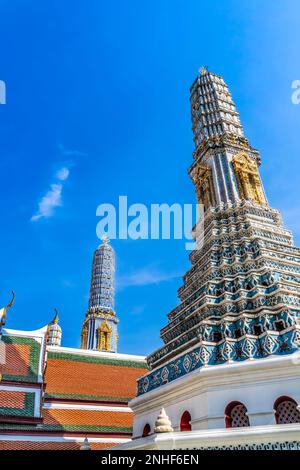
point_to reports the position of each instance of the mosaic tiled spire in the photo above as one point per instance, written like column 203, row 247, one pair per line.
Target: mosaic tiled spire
column 99, row 330
column 240, row 299
column 225, row 166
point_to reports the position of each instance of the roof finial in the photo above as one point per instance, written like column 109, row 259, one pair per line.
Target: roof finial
column 3, row 312
column 203, row 69
column 85, row 444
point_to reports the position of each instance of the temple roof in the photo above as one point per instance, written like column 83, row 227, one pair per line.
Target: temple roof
column 85, row 394
column 23, row 355
column 98, row 376
column 106, row 421
column 16, row 403
column 64, row 444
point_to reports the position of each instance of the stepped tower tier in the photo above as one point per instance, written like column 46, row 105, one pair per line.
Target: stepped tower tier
column 240, row 300
column 99, row 329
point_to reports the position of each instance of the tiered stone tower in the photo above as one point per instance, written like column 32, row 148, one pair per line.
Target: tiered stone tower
column 241, row 298
column 99, row 330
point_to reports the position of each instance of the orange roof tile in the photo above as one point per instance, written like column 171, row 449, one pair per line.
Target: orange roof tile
column 87, row 378
column 87, row 420
column 12, row 399
column 21, row 356
column 66, row 445
column 16, row 403
column 17, row 359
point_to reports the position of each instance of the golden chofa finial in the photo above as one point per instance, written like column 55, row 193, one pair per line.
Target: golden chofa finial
column 203, row 70
column 4, row 310
column 12, row 300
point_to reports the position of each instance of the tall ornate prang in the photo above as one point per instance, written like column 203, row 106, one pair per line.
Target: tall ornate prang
column 240, row 299
column 99, row 329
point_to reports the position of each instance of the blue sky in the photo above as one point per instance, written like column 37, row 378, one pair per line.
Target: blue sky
column 102, row 90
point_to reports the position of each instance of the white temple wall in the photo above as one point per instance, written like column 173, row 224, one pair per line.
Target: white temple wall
column 206, row 393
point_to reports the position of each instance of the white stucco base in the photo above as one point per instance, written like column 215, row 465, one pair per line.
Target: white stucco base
column 284, row 436
column 206, row 392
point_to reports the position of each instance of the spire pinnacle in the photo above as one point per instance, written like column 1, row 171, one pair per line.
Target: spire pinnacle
column 203, row 69
column 105, row 239
column 225, row 167
column 56, row 317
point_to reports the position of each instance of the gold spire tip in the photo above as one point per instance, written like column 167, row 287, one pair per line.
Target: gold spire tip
column 203, row 69
column 105, row 239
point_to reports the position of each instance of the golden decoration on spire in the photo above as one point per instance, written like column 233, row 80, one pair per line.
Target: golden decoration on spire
column 203, row 69
column 248, row 179
column 84, row 337
column 203, row 181
column 104, row 336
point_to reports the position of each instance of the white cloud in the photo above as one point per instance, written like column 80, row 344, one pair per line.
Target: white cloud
column 63, row 173
column 70, row 152
column 146, row 276
column 53, row 197
column 49, row 202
